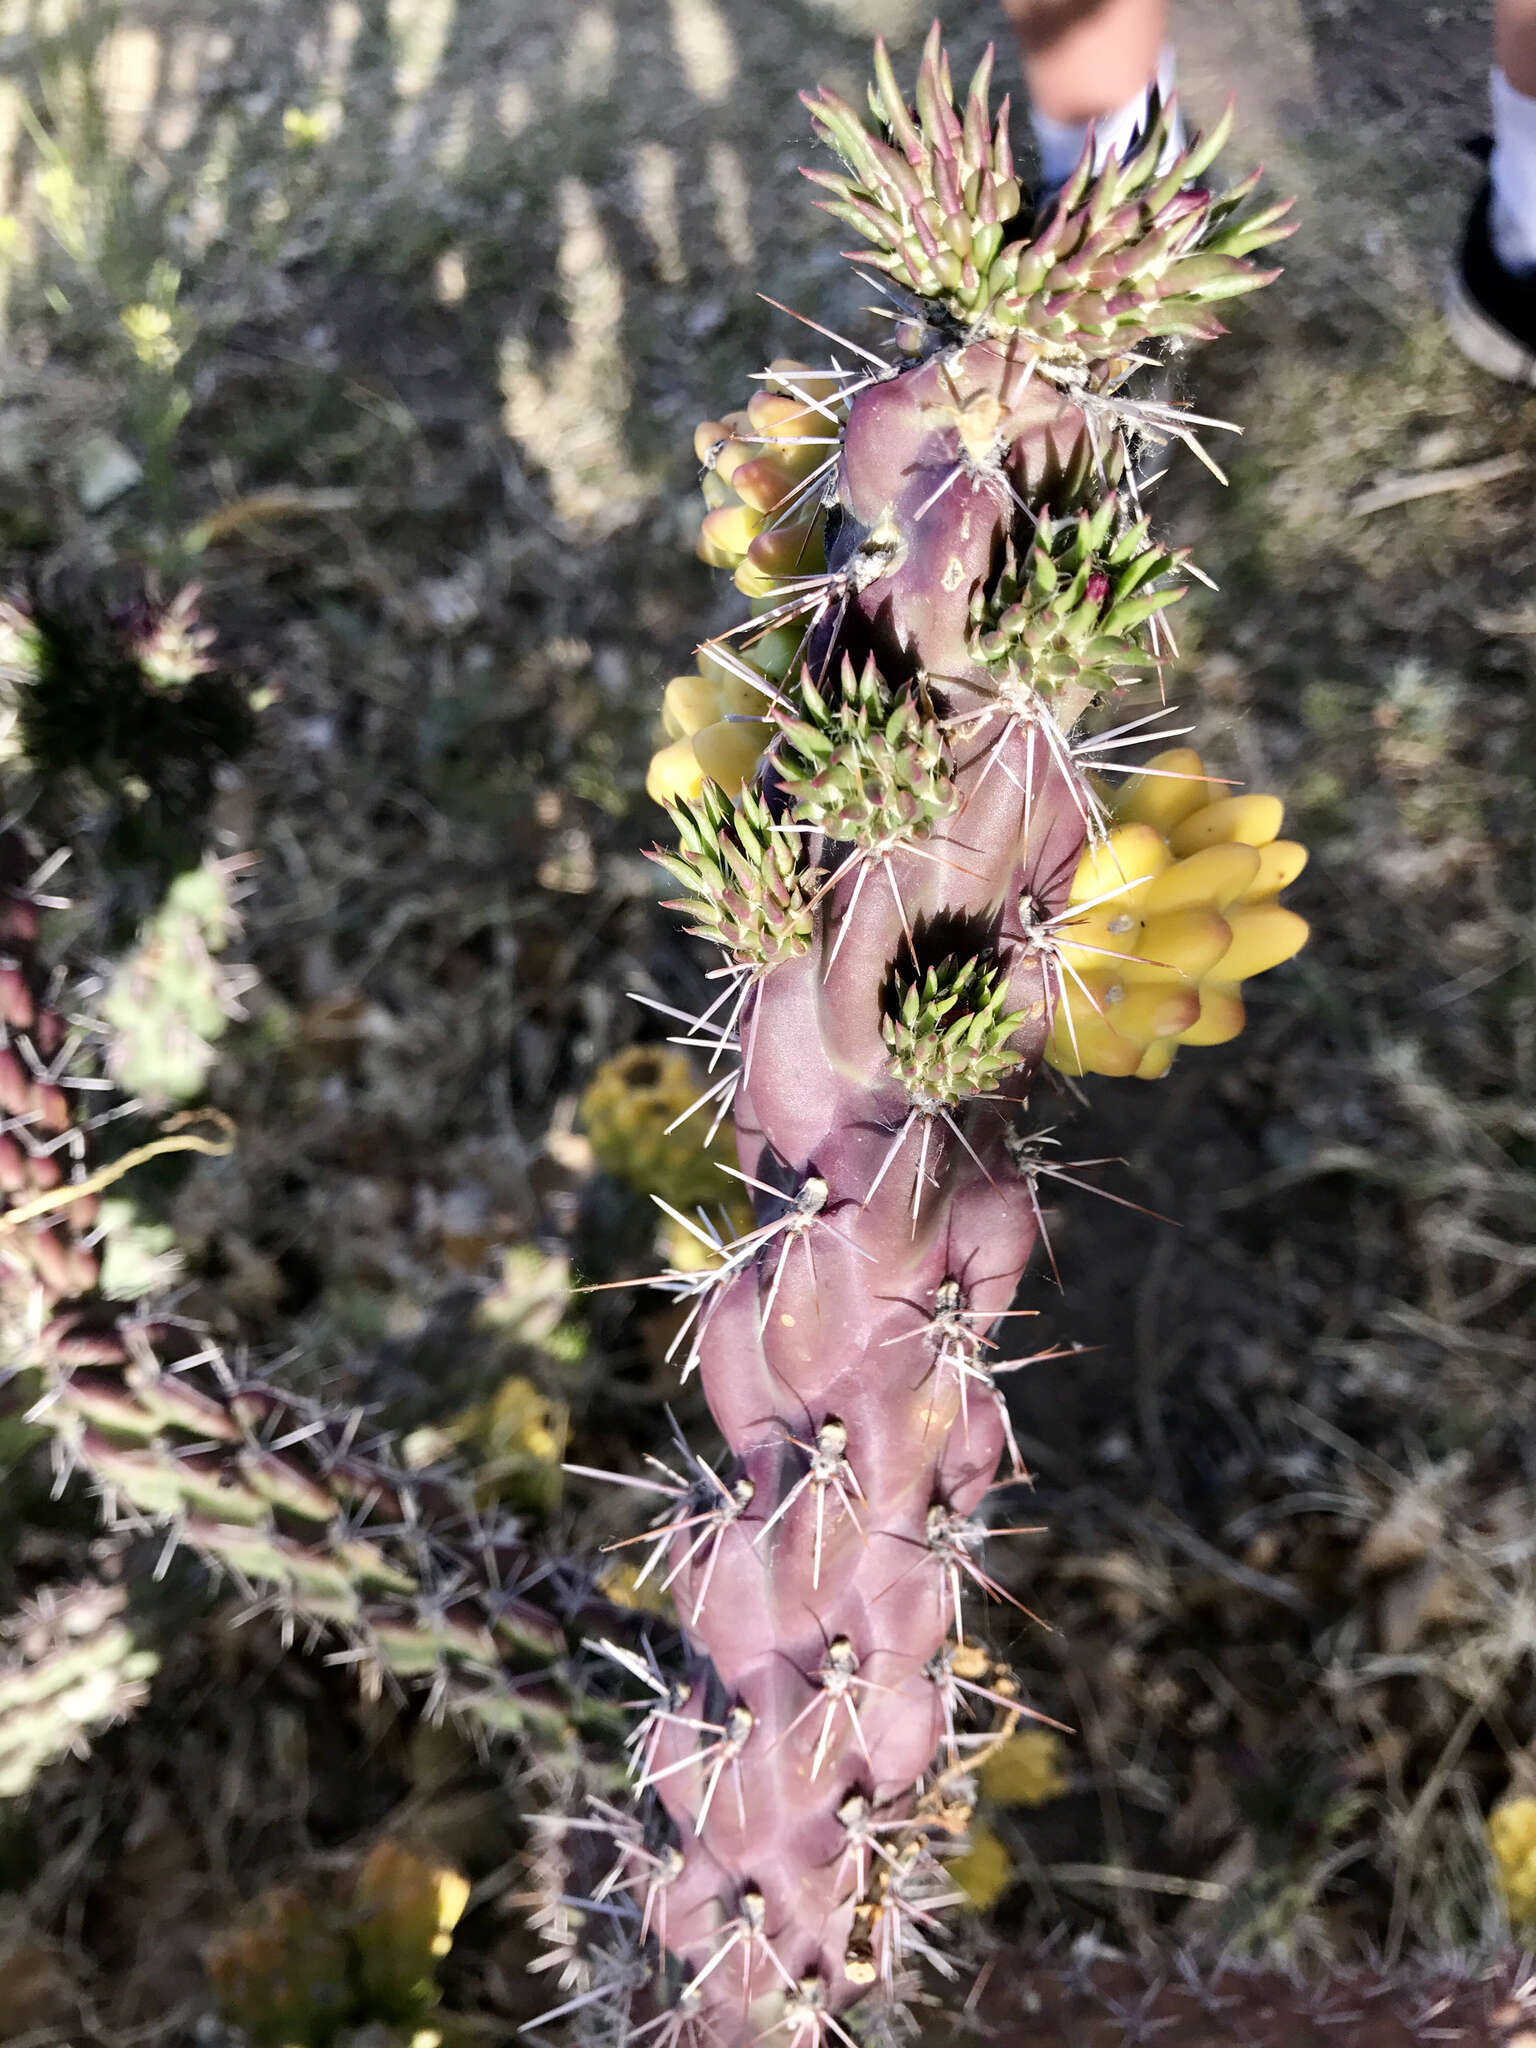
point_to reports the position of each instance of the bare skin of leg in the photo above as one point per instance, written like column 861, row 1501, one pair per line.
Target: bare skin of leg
column 1085, row 58
column 1514, row 43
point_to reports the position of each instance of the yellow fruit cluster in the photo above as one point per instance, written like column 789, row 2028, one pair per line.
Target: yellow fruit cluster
column 713, row 722
column 1178, row 910
column 516, row 1441
column 628, row 1105
column 755, row 462
column 407, row 1910
column 984, row 1868
column 1512, row 1838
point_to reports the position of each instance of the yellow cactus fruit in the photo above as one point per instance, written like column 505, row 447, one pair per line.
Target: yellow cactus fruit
column 769, row 481
column 674, row 772
column 1222, row 1017
column 1245, row 820
column 1178, row 910
column 627, row 1108
column 689, row 703
column 776, row 651
column 1187, row 943
column 730, row 751
column 1158, row 1058
column 1279, row 864
column 1217, row 876
column 985, row 1870
column 407, row 1909
column 727, row 533
column 755, row 464
column 1262, row 937
column 1161, row 1009
column 1166, row 799
column 1027, row 1770
column 1512, row 1840
column 1082, row 1040
column 1116, row 869
column 619, row 1581
column 713, row 726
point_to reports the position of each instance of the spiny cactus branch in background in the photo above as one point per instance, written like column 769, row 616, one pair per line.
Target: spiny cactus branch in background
column 311, row 1521
column 917, row 893
column 285, row 1498
column 1093, row 1998
column 72, row 1665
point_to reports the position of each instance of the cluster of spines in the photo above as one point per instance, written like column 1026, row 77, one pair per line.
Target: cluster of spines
column 749, row 890
column 1131, row 251
column 1069, row 611
column 934, row 194
column 951, row 1033
column 865, row 767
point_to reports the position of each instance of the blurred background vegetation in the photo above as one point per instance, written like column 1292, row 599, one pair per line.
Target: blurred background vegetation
column 384, row 324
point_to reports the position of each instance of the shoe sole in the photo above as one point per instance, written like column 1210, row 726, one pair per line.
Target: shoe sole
column 1483, row 341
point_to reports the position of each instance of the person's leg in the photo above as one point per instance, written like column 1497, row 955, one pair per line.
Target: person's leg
column 1491, row 305
column 1513, row 168
column 1089, row 63
column 1514, row 43
column 1085, row 58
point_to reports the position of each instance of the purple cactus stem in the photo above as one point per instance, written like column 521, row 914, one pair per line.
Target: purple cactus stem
column 836, row 1691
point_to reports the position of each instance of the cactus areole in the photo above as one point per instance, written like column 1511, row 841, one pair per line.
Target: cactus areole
column 895, row 826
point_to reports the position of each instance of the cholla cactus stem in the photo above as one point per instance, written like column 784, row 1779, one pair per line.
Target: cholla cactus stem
column 989, row 576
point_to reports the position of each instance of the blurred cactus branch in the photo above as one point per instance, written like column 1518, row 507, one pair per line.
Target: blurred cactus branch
column 289, row 1501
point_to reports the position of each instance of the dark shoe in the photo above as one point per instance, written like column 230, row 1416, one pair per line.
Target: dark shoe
column 1491, row 310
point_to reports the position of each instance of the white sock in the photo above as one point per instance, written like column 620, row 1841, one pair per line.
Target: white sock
column 1512, row 214
column 1061, row 142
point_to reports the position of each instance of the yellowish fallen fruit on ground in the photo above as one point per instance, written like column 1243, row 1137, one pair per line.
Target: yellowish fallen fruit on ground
column 985, row 1870
column 632, row 1109
column 406, row 1911
column 1512, row 1839
column 1028, row 1769
column 1177, row 910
